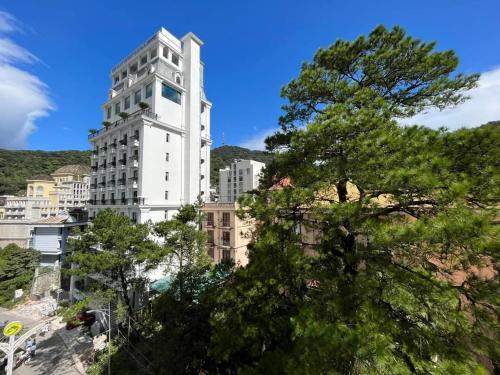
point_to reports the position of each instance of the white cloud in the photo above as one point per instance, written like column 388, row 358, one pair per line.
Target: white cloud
column 256, row 142
column 23, row 96
column 482, row 107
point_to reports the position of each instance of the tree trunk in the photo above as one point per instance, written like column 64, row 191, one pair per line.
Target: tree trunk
column 125, row 296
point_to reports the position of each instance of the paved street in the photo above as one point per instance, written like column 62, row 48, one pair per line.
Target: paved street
column 53, row 355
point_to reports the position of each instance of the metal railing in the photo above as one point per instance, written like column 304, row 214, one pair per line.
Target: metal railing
column 147, row 112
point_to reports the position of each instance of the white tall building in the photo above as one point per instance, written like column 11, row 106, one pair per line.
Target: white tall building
column 153, row 153
column 238, row 178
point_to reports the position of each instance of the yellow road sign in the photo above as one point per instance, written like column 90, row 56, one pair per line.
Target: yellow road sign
column 12, row 328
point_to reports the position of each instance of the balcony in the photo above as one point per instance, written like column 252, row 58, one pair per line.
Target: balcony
column 104, row 148
column 123, row 142
column 95, row 152
column 121, row 181
column 102, row 166
column 102, row 184
column 111, row 183
column 103, row 202
column 124, row 200
column 112, row 201
column 112, row 164
column 94, row 168
column 137, row 200
column 134, row 115
column 92, row 202
column 134, row 161
column 93, row 186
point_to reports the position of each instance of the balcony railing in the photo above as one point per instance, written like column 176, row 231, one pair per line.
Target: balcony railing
column 104, row 148
column 95, row 152
column 133, row 178
column 121, row 181
column 93, row 186
column 111, row 183
column 123, row 142
column 102, row 184
column 134, row 115
column 94, row 168
column 103, row 166
column 138, row 200
column 123, row 161
column 112, row 164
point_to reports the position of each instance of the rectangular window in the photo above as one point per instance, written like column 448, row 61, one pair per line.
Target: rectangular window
column 226, row 254
column 59, row 244
column 166, row 176
column 226, row 238
column 210, row 219
column 144, row 59
column 166, row 194
column 126, row 104
column 165, row 52
column 202, row 107
column 167, row 157
column 117, row 108
column 175, row 59
column 210, row 236
column 108, row 112
column 170, row 93
column 225, row 219
column 153, row 53
column 133, row 68
column 137, row 97
column 116, row 79
column 166, row 215
column 149, row 90
column 167, row 137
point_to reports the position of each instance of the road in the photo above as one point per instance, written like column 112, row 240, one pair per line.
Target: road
column 52, row 355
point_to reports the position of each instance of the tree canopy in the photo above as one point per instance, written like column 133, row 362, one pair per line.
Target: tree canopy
column 391, row 287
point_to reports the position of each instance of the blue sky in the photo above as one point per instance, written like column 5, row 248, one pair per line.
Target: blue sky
column 61, row 52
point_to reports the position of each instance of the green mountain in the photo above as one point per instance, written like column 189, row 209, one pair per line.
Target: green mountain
column 18, row 165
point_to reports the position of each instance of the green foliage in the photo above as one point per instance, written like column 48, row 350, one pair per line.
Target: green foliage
column 112, row 247
column 390, row 208
column 17, row 166
column 17, row 266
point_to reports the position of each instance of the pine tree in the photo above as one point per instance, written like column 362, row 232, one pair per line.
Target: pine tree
column 392, row 286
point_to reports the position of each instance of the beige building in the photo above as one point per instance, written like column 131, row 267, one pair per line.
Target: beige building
column 228, row 235
column 15, row 231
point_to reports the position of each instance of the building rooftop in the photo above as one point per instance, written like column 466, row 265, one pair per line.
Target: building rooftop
column 74, row 169
column 60, row 219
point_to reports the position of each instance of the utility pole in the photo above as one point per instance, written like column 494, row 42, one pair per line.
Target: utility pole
column 109, row 337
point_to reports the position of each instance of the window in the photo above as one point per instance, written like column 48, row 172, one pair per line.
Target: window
column 225, row 219
column 108, row 112
column 166, row 194
column 137, row 97
column 170, row 93
column 126, row 104
column 175, row 58
column 149, row 90
column 210, row 236
column 124, row 74
column 226, row 238
column 167, row 157
column 117, row 108
column 59, row 244
column 202, row 107
column 210, row 219
column 133, row 68
column 178, row 80
column 144, row 59
column 165, row 52
column 153, row 53
column 168, row 137
column 248, row 171
column 116, row 79
column 60, row 231
column 226, row 254
column 166, row 176
column 166, row 215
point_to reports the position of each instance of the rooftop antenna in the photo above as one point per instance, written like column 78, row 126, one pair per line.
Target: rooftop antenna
column 222, row 138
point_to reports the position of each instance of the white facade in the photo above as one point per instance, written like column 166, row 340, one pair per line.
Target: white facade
column 149, row 161
column 26, row 208
column 240, row 177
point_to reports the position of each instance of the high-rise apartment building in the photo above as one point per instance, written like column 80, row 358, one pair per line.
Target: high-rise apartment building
column 238, row 178
column 153, row 153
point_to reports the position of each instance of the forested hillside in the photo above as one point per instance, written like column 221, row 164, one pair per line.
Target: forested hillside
column 18, row 165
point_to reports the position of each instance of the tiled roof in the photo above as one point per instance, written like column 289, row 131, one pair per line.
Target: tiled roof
column 76, row 169
column 61, row 219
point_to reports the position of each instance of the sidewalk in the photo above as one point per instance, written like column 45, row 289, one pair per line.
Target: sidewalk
column 74, row 342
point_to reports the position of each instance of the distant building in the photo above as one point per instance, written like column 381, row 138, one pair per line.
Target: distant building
column 15, row 231
column 65, row 189
column 153, row 154
column 228, row 235
column 238, row 178
column 50, row 235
